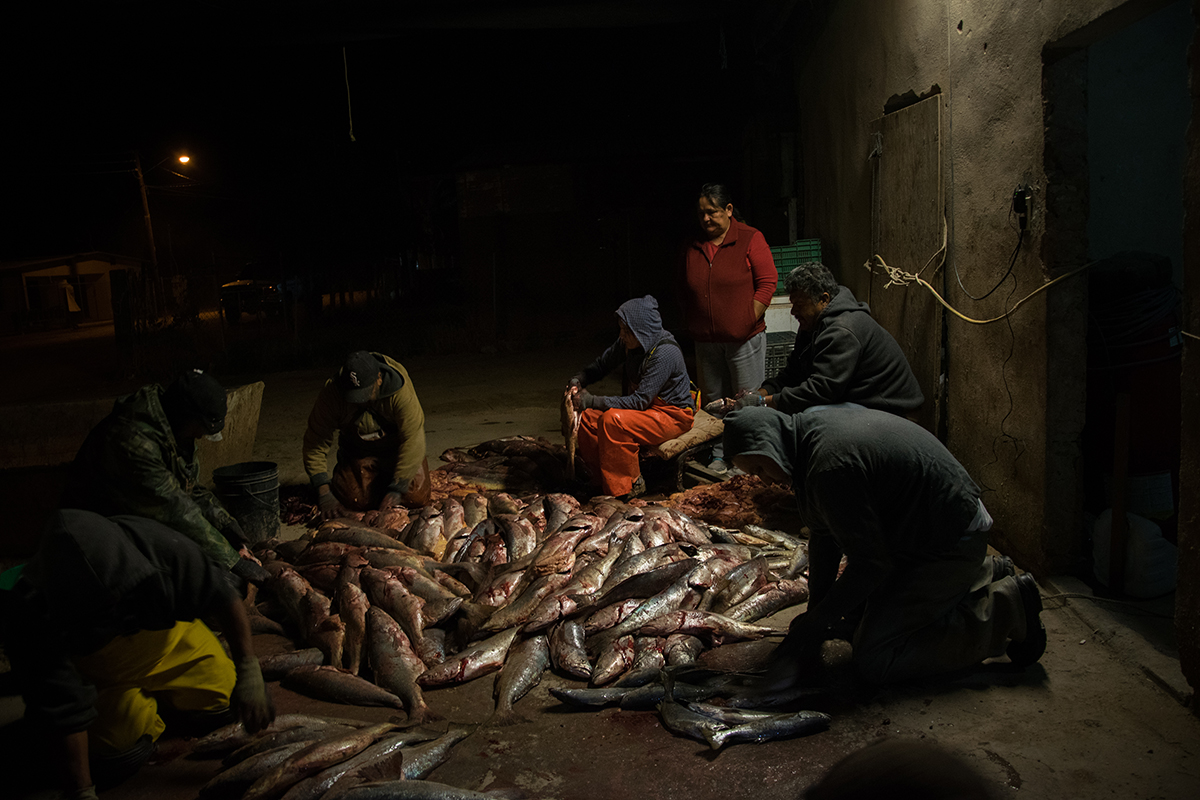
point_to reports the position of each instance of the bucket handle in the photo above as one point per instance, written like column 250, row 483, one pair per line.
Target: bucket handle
column 253, row 496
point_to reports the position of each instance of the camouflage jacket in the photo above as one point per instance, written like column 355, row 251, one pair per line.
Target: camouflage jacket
column 130, row 463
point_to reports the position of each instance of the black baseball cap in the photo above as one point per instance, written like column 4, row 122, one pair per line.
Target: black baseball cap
column 198, row 395
column 357, row 376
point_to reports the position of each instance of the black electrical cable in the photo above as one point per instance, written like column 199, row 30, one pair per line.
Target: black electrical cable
column 1011, row 263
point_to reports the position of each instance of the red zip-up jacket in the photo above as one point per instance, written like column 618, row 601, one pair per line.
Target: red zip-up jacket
column 718, row 297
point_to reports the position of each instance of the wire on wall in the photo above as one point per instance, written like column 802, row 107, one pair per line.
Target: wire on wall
column 349, row 112
column 899, row 277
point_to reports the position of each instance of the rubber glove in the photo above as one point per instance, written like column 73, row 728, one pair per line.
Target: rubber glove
column 328, row 505
column 585, row 399
column 750, row 400
column 250, row 699
column 392, row 500
column 250, row 571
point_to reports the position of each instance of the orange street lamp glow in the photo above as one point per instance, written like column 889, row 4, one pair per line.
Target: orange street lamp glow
column 184, row 159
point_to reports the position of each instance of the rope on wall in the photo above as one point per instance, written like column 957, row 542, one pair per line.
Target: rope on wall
column 349, row 112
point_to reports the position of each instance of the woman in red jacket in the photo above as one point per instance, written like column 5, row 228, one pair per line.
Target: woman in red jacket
column 729, row 278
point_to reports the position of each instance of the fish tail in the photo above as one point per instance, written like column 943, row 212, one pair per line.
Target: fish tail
column 714, row 739
column 503, row 718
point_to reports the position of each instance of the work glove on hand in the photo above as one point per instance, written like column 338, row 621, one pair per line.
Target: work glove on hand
column 575, row 383
column 585, row 399
column 250, row 571
column 749, row 400
column 250, row 699
column 798, row 655
column 86, row 793
column 392, row 500
column 328, row 505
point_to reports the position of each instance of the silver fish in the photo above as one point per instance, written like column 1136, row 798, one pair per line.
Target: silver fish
column 716, row 626
column 395, row 665
column 313, row 758
column 277, row 665
column 521, row 609
column 480, row 659
column 234, row 781
column 613, row 661
column 523, row 668
column 385, row 591
column 520, row 536
column 474, row 509
column 772, row 727
column 785, row 540
column 423, row 759
column 382, row 760
column 667, row 600
column 682, row 649
column 413, row 790
column 232, row 736
column 338, row 686
column 269, row 741
column 771, row 598
column 567, row 651
column 352, row 608
column 611, row 615
column 741, row 583
column 680, row 720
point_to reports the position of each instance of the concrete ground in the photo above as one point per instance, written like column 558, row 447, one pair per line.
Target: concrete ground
column 1102, row 714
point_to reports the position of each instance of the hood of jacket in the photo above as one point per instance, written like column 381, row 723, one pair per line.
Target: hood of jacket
column 758, row 431
column 641, row 316
column 844, row 303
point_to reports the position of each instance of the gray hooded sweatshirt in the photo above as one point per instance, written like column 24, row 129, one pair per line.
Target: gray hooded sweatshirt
column 656, row 369
column 847, row 358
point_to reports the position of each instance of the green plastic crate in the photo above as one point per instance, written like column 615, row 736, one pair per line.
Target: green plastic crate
column 779, row 347
column 789, row 256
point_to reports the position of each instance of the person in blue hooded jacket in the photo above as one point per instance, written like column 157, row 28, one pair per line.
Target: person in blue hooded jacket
column 657, row 404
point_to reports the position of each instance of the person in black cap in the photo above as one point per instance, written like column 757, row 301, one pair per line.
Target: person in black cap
column 103, row 628
column 372, row 406
column 142, row 459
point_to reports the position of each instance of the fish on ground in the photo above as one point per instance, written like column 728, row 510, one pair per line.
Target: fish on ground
column 523, row 668
column 313, row 758
column 396, row 665
column 338, row 686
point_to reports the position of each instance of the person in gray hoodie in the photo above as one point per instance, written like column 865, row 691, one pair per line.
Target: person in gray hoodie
column 841, row 355
column 656, row 405
column 919, row 586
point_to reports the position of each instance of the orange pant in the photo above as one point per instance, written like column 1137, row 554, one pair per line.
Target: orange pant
column 609, row 440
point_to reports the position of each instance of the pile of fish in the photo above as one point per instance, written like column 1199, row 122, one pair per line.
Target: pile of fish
column 394, row 603
column 304, row 757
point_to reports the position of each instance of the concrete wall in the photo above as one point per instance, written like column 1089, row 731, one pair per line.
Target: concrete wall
column 1014, row 389
column 1187, row 596
column 38, row 443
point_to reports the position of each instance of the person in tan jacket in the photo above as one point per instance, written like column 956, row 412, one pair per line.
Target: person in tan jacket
column 372, row 406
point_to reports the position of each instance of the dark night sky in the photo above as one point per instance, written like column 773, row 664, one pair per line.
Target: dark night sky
column 260, row 103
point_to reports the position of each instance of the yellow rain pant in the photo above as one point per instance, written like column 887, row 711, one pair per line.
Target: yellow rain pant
column 186, row 666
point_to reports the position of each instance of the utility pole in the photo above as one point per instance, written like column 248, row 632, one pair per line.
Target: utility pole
column 137, row 168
